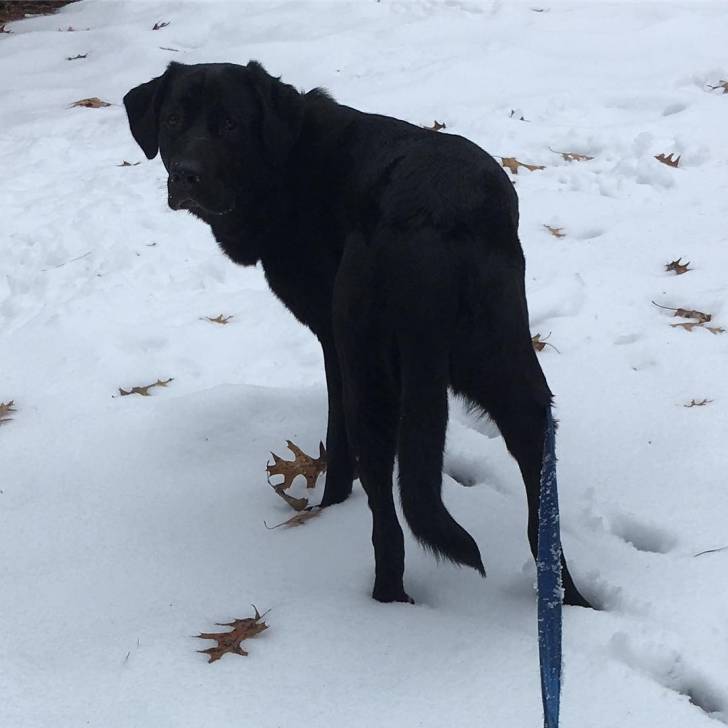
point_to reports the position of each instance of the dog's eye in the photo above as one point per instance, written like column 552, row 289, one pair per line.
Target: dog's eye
column 229, row 124
column 172, row 120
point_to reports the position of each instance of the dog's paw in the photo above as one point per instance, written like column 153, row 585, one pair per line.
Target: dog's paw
column 387, row 595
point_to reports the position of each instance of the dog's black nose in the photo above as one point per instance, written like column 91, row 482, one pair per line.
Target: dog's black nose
column 186, row 175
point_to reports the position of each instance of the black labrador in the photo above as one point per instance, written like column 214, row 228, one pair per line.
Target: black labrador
column 398, row 247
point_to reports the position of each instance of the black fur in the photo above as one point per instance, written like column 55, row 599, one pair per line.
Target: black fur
column 398, row 247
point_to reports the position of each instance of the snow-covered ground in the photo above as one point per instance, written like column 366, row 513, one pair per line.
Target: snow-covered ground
column 130, row 524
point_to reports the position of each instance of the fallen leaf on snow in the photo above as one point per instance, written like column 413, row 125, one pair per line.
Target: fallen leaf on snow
column 436, row 126
column 229, row 642
column 124, row 163
column 298, row 504
column 513, row 164
column 92, row 103
column 540, row 344
column 298, row 519
column 690, row 325
column 557, row 232
column 669, row 160
column 160, row 25
column 678, row 267
column 6, row 408
column 75, row 58
column 219, row 319
column 721, row 84
column 573, row 156
column 698, row 403
column 302, row 464
column 144, row 391
column 701, row 317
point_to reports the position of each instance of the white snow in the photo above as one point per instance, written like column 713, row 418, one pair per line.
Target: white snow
column 129, row 524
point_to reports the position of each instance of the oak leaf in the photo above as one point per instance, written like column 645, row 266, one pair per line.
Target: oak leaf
column 698, row 403
column 6, row 408
column 669, row 160
column 220, row 319
column 513, row 164
column 144, row 391
column 92, row 103
column 557, row 232
column 229, row 642
column 701, row 317
column 573, row 156
column 688, row 325
column 298, row 519
column 678, row 267
column 302, row 464
column 540, row 344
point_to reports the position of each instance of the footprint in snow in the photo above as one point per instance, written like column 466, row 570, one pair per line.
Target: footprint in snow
column 642, row 536
column 668, row 668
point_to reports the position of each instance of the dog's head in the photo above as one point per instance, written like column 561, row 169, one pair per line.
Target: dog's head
column 223, row 132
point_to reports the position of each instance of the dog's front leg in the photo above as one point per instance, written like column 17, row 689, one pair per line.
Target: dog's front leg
column 340, row 466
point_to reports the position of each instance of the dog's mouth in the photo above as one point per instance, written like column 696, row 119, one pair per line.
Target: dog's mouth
column 195, row 206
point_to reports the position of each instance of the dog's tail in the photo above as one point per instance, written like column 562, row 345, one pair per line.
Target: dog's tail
column 421, row 441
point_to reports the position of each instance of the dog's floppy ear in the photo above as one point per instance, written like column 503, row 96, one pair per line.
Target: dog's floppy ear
column 282, row 112
column 142, row 108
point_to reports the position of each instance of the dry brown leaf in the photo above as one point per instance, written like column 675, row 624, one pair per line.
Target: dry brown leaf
column 573, row 156
column 93, row 103
column 298, row 519
column 436, row 126
column 6, row 408
column 124, row 163
column 669, row 160
column 160, row 25
column 144, row 391
column 513, row 164
column 298, row 504
column 220, row 319
column 302, row 464
column 715, row 329
column 702, row 318
column 698, row 403
column 75, row 58
column 688, row 325
column 540, row 344
column 678, row 267
column 557, row 232
column 229, row 642
column 721, row 84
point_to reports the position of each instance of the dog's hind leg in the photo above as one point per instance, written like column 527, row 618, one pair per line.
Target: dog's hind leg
column 371, row 410
column 371, row 414
column 376, row 440
column 495, row 366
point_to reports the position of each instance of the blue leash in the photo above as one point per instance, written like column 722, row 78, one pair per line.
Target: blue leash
column 548, row 566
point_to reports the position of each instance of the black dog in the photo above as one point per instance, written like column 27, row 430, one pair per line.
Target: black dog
column 398, row 247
